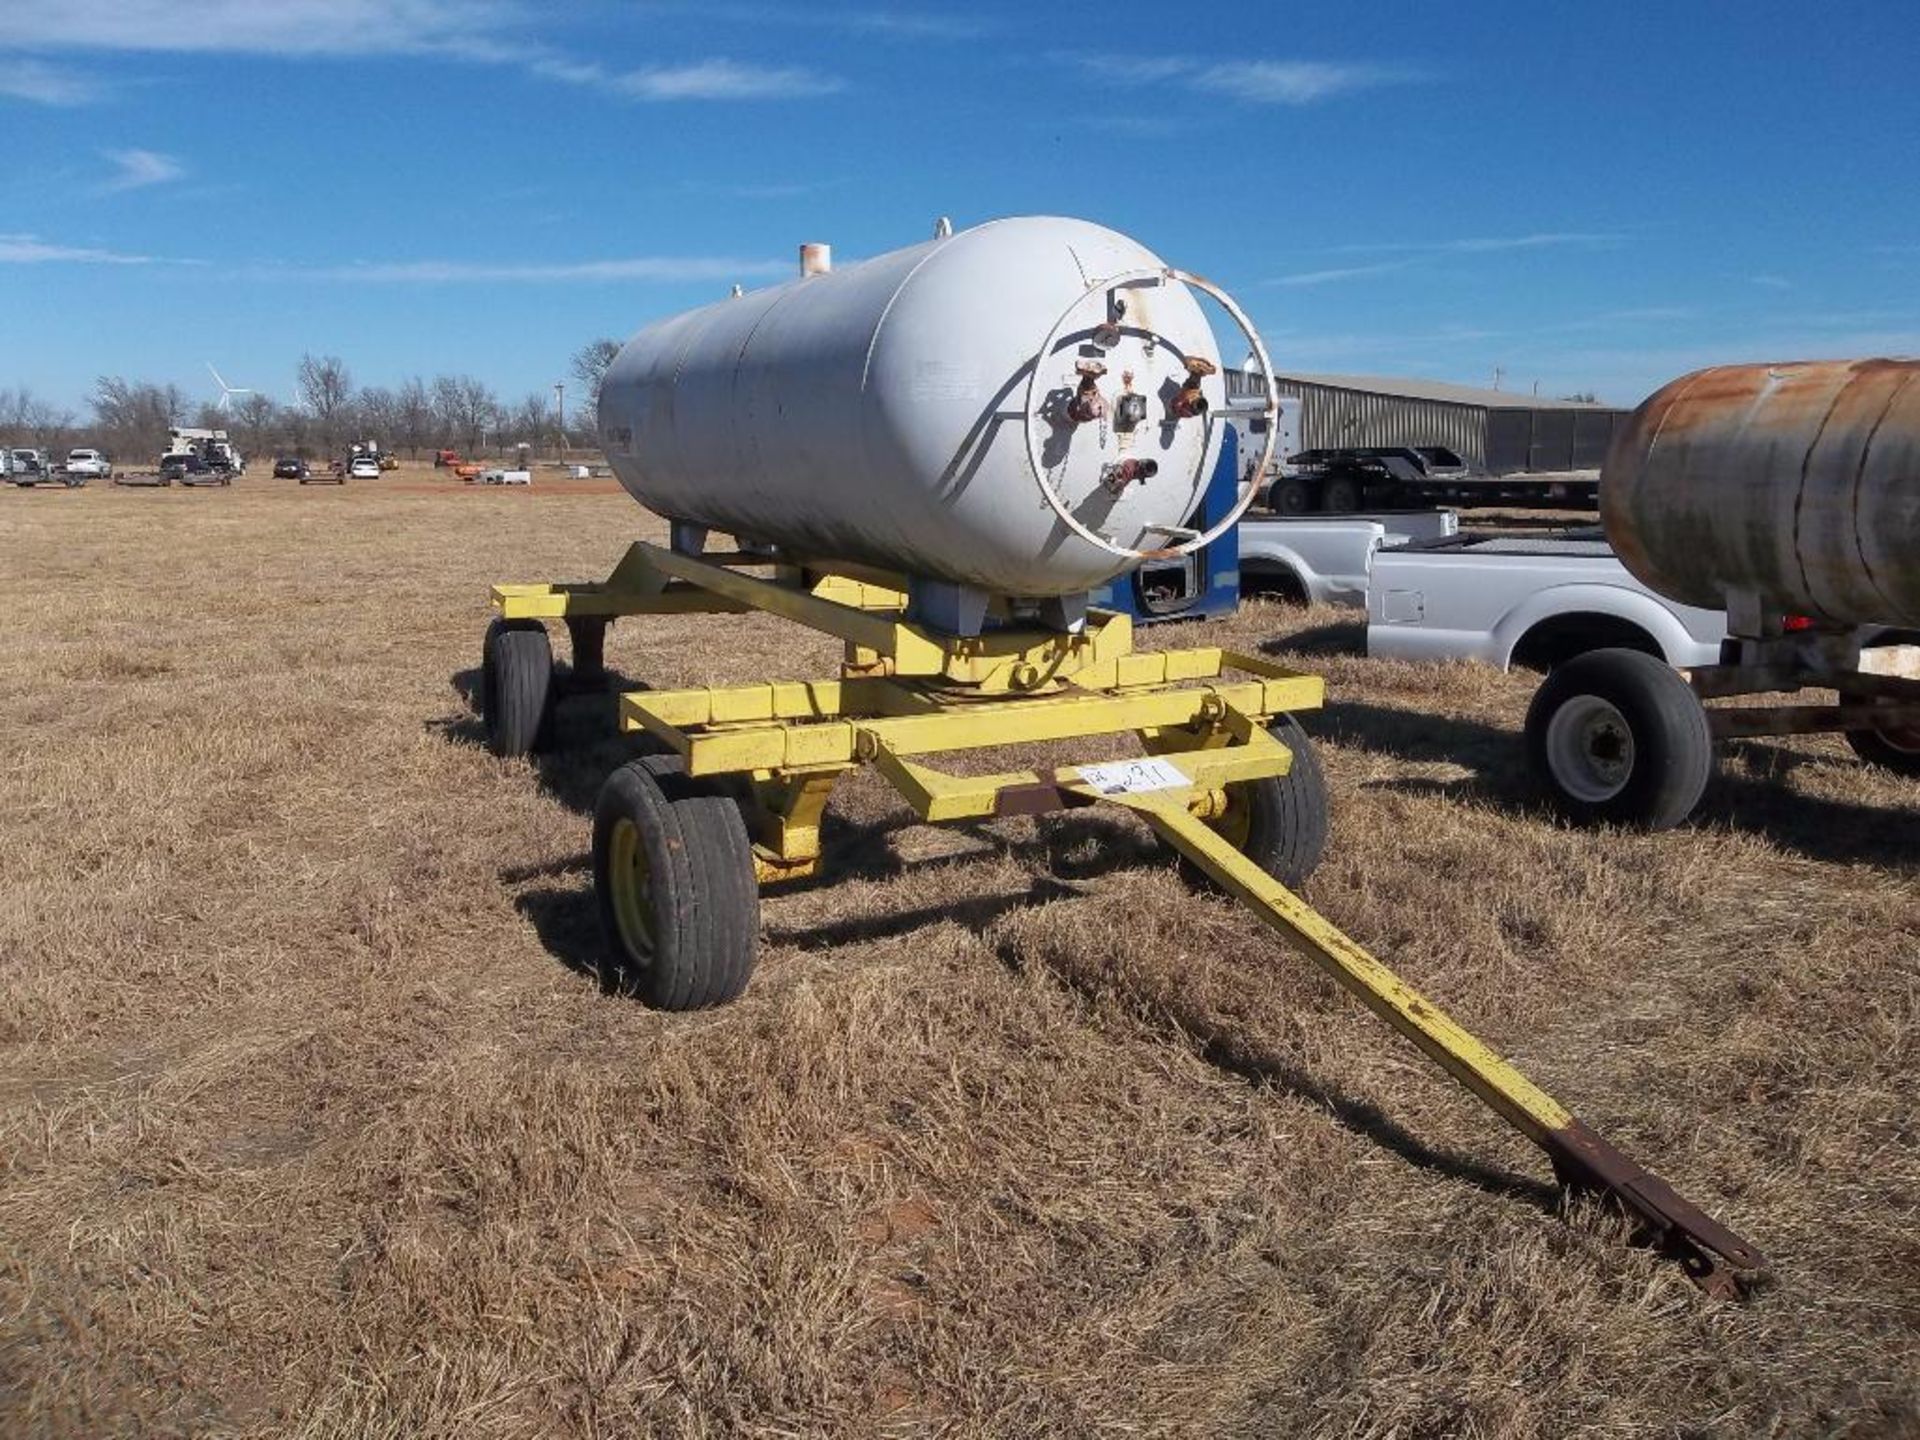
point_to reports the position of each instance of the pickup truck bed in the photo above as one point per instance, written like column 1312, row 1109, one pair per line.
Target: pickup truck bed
column 1529, row 600
column 1327, row 560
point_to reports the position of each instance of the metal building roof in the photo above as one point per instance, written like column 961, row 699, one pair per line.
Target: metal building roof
column 1409, row 388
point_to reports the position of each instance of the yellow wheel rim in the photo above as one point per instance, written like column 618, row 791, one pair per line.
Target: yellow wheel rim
column 632, row 886
column 1234, row 823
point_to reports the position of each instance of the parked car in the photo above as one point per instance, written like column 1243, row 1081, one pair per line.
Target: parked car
column 389, row 461
column 83, row 465
column 291, row 467
column 364, row 467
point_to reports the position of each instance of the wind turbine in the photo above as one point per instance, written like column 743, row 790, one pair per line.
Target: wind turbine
column 227, row 392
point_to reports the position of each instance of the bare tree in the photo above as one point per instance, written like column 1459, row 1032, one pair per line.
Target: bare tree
column 377, row 411
column 252, row 419
column 466, row 409
column 134, row 415
column 590, row 364
column 24, row 414
column 413, row 417
column 528, row 420
column 327, row 390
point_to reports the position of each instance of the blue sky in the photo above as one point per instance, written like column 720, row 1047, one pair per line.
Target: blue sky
column 1593, row 197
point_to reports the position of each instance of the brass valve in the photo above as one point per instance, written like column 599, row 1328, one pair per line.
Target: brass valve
column 1088, row 403
column 1190, row 402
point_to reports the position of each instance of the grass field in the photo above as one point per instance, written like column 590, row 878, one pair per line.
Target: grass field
column 316, row 1121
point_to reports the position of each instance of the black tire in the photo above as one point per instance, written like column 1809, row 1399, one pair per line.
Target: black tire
column 516, row 686
column 1290, row 495
column 1897, row 749
column 1280, row 823
column 1342, row 495
column 674, row 885
column 1617, row 737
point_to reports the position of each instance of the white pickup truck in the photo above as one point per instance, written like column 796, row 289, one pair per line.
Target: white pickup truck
column 1528, row 600
column 1327, row 561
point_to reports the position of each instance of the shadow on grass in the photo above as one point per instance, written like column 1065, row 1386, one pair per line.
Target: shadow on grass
column 1066, row 850
column 1340, row 637
column 1745, row 794
column 1245, row 1058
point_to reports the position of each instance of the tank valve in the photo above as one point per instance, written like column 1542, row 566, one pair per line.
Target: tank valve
column 1190, row 402
column 1130, row 410
column 1122, row 473
column 1088, row 403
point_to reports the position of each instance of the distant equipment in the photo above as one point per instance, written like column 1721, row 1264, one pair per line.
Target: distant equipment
column 931, row 411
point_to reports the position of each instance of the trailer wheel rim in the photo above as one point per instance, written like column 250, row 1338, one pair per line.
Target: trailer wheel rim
column 1590, row 749
column 1234, row 823
column 631, row 880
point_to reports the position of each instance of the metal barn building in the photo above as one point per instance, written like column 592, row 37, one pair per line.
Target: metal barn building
column 1495, row 431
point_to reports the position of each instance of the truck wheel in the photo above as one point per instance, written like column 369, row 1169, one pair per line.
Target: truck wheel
column 1342, row 495
column 1279, row 823
column 1896, row 748
column 673, row 880
column 1290, row 495
column 516, row 681
column 1618, row 737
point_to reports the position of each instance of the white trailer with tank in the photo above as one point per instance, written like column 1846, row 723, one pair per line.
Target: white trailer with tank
column 1787, row 497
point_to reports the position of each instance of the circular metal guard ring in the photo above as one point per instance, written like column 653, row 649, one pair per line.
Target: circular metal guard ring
column 1249, row 487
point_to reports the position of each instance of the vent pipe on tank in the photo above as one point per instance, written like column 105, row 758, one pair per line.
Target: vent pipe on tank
column 815, row 259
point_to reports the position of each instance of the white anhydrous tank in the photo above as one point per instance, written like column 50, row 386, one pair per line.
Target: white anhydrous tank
column 878, row 412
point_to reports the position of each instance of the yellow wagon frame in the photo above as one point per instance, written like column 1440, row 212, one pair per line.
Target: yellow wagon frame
column 906, row 693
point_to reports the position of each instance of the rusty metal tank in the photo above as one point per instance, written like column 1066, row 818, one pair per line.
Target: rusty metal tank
column 1795, row 485
column 1027, row 407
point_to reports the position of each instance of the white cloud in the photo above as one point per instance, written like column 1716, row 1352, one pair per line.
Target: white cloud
column 483, row 32
column 1292, row 82
column 717, row 79
column 22, row 78
column 285, row 27
column 1343, row 272
column 1486, row 244
column 1255, row 82
column 32, row 250
column 890, row 23
column 137, row 169
column 660, row 268
column 1771, row 282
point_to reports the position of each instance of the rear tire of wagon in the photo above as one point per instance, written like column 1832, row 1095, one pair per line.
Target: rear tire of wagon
column 1280, row 822
column 1617, row 737
column 674, row 885
column 516, row 686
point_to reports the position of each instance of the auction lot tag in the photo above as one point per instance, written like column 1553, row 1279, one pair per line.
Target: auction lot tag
column 1132, row 777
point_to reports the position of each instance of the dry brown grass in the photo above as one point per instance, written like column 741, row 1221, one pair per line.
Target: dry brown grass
column 315, row 1121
